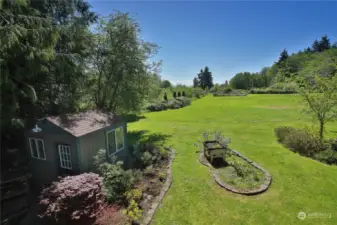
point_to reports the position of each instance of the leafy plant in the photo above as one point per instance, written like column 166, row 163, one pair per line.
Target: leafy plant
column 72, row 198
column 116, row 180
column 147, row 159
column 304, row 142
column 134, row 194
column 133, row 212
column 327, row 156
column 282, row 132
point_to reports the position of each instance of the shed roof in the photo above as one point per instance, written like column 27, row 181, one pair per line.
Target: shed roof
column 83, row 123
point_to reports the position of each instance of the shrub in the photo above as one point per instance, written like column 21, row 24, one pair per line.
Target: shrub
column 116, row 180
column 72, row 198
column 165, row 97
column 327, row 156
column 134, row 194
column 179, row 95
column 183, row 94
column 175, row 103
column 227, row 90
column 133, row 212
column 174, row 94
column 282, row 132
column 147, row 159
column 304, row 142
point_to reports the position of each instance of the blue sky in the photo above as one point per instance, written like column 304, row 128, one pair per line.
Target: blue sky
column 227, row 36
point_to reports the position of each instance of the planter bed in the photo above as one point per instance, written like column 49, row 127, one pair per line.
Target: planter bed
column 256, row 181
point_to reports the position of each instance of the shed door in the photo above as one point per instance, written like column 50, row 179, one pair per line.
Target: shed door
column 65, row 160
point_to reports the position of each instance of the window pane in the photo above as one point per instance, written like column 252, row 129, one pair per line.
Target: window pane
column 33, row 147
column 120, row 138
column 111, row 142
column 40, row 149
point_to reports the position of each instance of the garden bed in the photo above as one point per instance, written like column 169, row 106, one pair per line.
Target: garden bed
column 248, row 178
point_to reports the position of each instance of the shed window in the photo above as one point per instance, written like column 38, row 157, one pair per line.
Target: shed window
column 115, row 140
column 65, row 157
column 37, row 148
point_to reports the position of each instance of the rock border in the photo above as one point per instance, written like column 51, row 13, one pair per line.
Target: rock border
column 157, row 200
column 259, row 190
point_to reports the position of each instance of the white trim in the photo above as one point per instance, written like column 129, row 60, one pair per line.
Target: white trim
column 107, row 140
column 64, row 150
column 37, row 148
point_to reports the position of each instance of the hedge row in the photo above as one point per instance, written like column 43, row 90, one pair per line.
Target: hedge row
column 271, row 91
column 176, row 103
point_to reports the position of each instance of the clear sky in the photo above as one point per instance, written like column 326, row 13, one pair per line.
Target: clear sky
column 227, row 36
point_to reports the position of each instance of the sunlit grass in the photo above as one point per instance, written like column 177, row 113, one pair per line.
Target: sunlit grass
column 299, row 183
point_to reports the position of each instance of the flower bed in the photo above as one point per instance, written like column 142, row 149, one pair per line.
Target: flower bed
column 253, row 180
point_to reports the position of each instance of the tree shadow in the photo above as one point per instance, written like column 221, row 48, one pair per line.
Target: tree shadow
column 132, row 117
column 143, row 136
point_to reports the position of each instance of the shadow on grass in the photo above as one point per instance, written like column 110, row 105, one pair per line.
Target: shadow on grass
column 143, row 136
column 132, row 118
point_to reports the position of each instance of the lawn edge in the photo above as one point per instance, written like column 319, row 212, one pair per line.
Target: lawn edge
column 157, row 201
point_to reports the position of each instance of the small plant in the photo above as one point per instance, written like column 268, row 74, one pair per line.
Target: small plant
column 162, row 176
column 147, row 159
column 134, row 194
column 133, row 212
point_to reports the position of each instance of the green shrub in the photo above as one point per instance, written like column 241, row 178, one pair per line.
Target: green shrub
column 282, row 132
column 147, row 159
column 133, row 212
column 175, row 103
column 116, row 180
column 304, row 142
column 327, row 156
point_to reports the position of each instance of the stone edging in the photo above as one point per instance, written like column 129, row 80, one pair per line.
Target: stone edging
column 157, row 200
column 262, row 188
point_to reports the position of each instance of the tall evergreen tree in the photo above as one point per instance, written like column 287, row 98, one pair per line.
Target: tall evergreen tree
column 195, row 82
column 324, row 43
column 316, row 46
column 207, row 78
column 283, row 56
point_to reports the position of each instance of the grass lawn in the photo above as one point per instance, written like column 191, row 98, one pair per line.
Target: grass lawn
column 299, row 184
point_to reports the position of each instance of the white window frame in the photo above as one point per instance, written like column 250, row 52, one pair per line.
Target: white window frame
column 107, row 140
column 65, row 150
column 37, row 150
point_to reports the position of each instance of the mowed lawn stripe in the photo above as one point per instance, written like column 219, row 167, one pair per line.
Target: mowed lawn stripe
column 299, row 184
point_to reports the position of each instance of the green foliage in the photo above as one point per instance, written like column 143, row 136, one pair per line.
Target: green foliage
column 176, row 103
column 122, row 78
column 134, row 194
column 283, row 56
column 320, row 97
column 304, row 142
column 282, row 132
column 248, row 80
column 116, row 180
column 327, row 156
column 133, row 212
column 165, row 84
column 204, row 79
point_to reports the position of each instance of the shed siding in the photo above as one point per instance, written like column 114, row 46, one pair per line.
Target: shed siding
column 47, row 171
column 91, row 143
